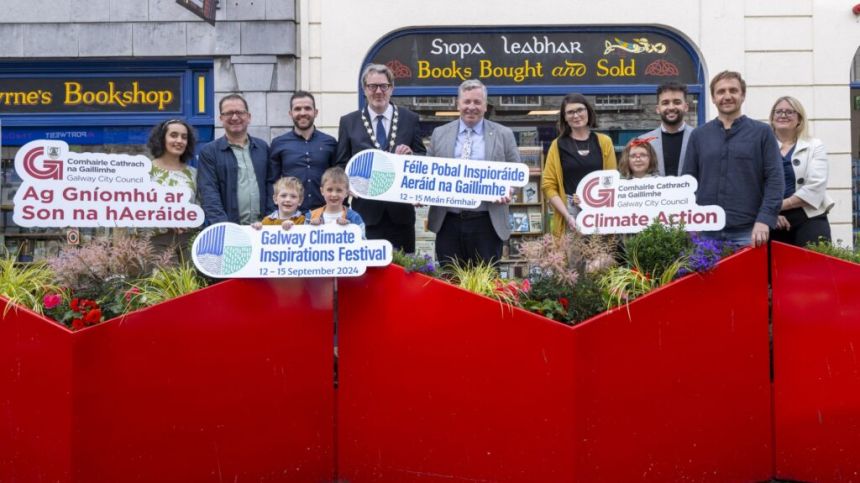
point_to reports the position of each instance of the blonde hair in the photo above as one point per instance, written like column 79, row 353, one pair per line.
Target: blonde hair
column 802, row 130
column 289, row 183
column 335, row 175
column 624, row 164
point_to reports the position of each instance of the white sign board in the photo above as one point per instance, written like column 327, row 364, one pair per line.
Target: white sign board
column 610, row 204
column 456, row 183
column 304, row 251
column 60, row 188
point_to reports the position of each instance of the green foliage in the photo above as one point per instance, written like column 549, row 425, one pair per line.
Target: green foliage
column 481, row 278
column 25, row 285
column 164, row 284
column 550, row 297
column 620, row 285
column 835, row 250
column 656, row 248
column 587, row 298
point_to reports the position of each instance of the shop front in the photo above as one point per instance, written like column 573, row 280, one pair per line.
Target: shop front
column 94, row 107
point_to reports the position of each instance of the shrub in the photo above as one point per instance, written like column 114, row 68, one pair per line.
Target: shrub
column 835, row 250
column 164, row 284
column 656, row 248
column 25, row 285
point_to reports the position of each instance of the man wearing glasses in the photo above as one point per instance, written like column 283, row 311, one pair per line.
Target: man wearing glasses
column 737, row 163
column 381, row 125
column 233, row 178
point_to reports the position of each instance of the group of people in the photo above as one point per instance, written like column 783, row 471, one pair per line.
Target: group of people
column 770, row 180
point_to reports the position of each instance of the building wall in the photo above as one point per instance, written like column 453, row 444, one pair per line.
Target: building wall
column 253, row 42
column 802, row 48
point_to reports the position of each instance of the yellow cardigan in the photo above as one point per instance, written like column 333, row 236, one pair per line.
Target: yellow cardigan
column 552, row 180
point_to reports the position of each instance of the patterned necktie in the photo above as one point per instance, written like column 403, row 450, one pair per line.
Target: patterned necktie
column 467, row 145
column 381, row 138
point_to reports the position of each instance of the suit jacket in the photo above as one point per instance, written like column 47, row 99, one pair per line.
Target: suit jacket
column 499, row 145
column 657, row 144
column 809, row 161
column 352, row 138
column 218, row 178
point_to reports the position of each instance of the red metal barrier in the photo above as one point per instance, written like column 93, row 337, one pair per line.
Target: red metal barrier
column 439, row 385
column 231, row 383
column 35, row 398
column 816, row 331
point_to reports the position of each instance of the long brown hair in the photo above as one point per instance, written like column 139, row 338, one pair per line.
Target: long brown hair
column 574, row 98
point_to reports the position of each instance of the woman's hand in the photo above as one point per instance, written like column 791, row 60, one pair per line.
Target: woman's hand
column 782, row 223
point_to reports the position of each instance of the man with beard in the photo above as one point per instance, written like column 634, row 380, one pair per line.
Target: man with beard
column 737, row 163
column 670, row 139
column 381, row 125
column 304, row 152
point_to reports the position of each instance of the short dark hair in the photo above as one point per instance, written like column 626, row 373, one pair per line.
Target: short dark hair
column 229, row 97
column 672, row 86
column 302, row 95
column 574, row 98
column 729, row 74
column 157, row 146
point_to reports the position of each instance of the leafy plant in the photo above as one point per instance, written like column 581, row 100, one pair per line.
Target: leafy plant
column 549, row 297
column 552, row 256
column 415, row 263
column 164, row 284
column 480, row 278
column 587, row 298
column 75, row 313
column 621, row 285
column 25, row 285
column 835, row 250
column 656, row 248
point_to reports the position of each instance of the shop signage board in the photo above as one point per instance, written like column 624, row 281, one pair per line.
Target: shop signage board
column 536, row 56
column 610, row 204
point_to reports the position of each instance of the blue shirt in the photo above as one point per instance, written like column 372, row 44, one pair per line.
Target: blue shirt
column 477, row 140
column 307, row 160
column 739, row 169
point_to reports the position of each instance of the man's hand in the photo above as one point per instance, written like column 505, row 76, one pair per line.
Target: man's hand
column 759, row 235
column 782, row 223
column 402, row 149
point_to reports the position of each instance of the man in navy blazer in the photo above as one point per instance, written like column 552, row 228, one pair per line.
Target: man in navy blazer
column 670, row 138
column 233, row 176
column 472, row 235
column 381, row 125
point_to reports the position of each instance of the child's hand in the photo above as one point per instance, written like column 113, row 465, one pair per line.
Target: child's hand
column 318, row 221
column 342, row 221
column 257, row 225
column 576, row 200
column 287, row 224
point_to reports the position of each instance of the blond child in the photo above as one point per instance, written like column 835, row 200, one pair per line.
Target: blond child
column 334, row 186
column 288, row 195
column 638, row 159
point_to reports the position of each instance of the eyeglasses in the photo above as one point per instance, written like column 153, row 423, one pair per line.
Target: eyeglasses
column 576, row 112
column 230, row 114
column 639, row 156
column 374, row 87
column 784, row 112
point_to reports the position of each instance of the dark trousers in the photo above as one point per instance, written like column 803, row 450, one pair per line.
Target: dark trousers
column 469, row 237
column 804, row 230
column 402, row 237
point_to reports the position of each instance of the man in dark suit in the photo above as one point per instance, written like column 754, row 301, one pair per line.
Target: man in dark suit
column 478, row 234
column 381, row 125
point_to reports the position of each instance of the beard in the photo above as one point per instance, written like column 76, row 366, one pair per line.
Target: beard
column 303, row 123
column 679, row 118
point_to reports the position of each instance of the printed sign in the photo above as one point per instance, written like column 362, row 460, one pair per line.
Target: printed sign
column 610, row 204
column 456, row 183
column 60, row 188
column 509, row 56
column 304, row 251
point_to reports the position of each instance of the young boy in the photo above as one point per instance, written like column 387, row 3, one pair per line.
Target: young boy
column 288, row 196
column 335, row 188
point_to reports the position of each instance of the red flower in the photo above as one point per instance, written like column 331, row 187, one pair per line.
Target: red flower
column 526, row 286
column 74, row 305
column 564, row 302
column 93, row 317
column 131, row 293
column 78, row 324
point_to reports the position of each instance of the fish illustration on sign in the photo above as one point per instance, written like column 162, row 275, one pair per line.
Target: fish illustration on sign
column 638, row 46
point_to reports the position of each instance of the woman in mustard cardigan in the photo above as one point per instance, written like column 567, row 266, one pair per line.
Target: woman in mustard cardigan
column 576, row 152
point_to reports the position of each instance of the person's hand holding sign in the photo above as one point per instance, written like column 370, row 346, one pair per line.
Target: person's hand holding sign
column 402, row 149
